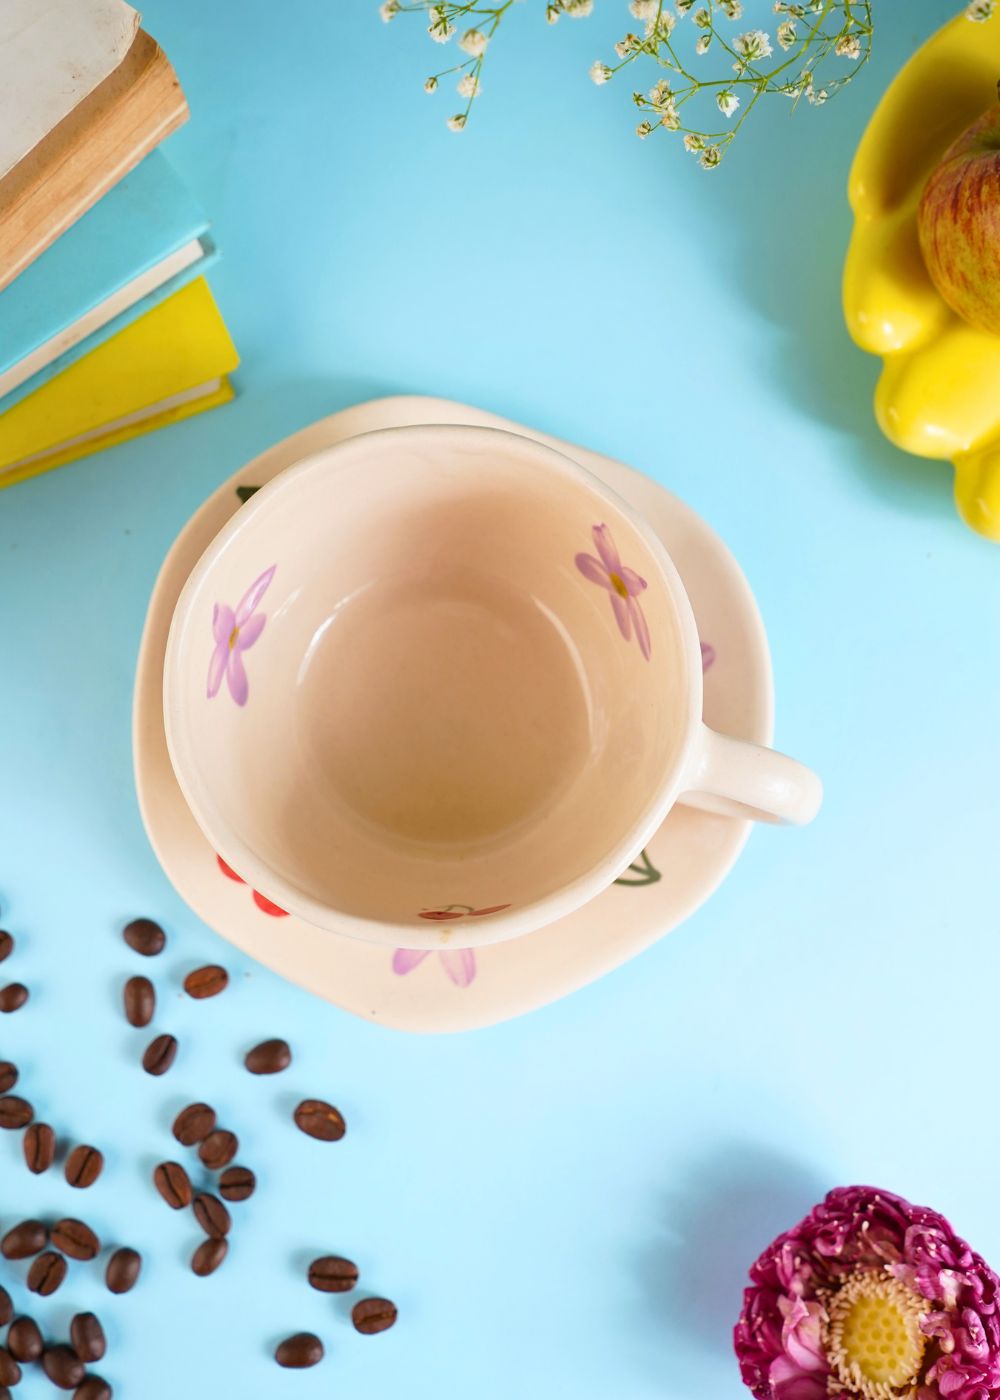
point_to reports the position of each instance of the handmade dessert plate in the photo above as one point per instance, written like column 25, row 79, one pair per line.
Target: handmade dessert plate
column 458, row 988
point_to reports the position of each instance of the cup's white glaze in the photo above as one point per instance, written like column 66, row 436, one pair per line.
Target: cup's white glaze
column 440, row 672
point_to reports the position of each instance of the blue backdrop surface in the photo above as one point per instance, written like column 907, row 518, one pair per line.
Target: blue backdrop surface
column 566, row 1204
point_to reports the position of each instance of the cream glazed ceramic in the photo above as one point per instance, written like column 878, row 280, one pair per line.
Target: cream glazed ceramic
column 455, row 986
column 458, row 674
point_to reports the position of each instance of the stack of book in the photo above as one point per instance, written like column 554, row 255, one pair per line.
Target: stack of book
column 107, row 325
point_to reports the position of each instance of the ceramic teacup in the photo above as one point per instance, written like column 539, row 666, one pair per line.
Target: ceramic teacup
column 435, row 673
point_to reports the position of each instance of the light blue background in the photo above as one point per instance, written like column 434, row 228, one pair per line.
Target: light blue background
column 564, row 1205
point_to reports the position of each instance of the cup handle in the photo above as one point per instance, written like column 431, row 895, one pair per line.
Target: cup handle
column 739, row 779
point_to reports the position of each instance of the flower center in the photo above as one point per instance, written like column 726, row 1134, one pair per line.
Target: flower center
column 234, row 634
column 618, row 584
column 873, row 1339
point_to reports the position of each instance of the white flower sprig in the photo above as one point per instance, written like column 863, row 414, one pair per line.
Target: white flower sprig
column 834, row 36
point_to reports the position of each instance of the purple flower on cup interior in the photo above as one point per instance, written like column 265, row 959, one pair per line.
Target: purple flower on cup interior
column 235, row 631
column 458, row 963
column 870, row 1298
column 622, row 583
column 707, row 656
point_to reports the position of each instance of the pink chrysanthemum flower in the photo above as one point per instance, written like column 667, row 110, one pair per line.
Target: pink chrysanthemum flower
column 870, row 1298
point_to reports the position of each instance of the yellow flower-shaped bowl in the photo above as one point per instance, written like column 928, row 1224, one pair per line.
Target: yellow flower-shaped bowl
column 939, row 392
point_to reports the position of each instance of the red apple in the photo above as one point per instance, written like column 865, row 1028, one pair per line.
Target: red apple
column 959, row 223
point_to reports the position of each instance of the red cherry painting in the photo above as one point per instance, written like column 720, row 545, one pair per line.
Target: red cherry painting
column 460, row 911
column 265, row 905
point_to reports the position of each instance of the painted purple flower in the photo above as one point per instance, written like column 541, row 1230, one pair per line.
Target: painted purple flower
column 623, row 584
column 870, row 1298
column 707, row 656
column 235, row 632
column 458, row 963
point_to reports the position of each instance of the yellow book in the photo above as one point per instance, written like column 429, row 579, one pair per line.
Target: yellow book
column 168, row 364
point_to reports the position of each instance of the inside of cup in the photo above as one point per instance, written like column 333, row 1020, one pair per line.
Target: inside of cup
column 430, row 676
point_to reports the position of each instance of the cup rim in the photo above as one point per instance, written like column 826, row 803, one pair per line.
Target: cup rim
column 334, row 460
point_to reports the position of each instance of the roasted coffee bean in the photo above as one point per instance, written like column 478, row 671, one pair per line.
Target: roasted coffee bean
column 123, row 1270
column 6, row 944
column 140, row 1001
column 206, row 982
column 24, row 1341
column 331, row 1274
column 373, row 1315
column 145, row 937
column 8, row 1076
column 83, row 1166
column 173, row 1184
column 46, row 1273
column 63, row 1367
column 320, row 1120
column 75, row 1239
column 24, row 1240
column 15, row 1112
column 219, row 1149
column 269, row 1057
column 211, row 1215
column 194, row 1123
column 160, row 1054
column 13, row 996
column 10, row 1371
column 209, row 1255
column 39, row 1145
column 303, row 1349
column 237, row 1184
column 87, row 1336
column 6, row 1307
column 92, row 1388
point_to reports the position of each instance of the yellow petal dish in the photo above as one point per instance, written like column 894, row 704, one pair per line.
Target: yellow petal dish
column 939, row 392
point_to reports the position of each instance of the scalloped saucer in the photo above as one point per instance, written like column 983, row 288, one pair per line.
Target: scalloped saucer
column 458, row 989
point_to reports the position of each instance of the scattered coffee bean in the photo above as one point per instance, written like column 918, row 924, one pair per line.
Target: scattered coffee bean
column 92, row 1388
column 140, row 1001
column 320, row 1120
column 237, row 1184
column 83, row 1166
column 15, row 1112
column 24, row 1341
column 331, row 1274
column 373, row 1315
column 10, row 1371
column 269, row 1057
column 211, row 1215
column 194, row 1123
column 6, row 944
column 13, row 996
column 24, row 1240
column 63, row 1367
column 123, row 1270
column 160, row 1054
column 206, row 982
column 75, row 1239
column 302, row 1349
column 208, row 1256
column 219, row 1149
column 145, row 937
column 6, row 1307
column 46, row 1273
column 39, row 1145
column 87, row 1336
column 8, row 1076
column 173, row 1184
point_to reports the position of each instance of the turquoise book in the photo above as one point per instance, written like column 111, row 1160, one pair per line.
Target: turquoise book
column 143, row 241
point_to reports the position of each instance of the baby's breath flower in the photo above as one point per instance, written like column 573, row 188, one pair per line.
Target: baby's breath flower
column 661, row 95
column 727, row 102
column 662, row 26
column 817, row 96
column 431, row 85
column 600, row 73
column 578, row 9
column 628, row 45
column 456, row 123
column 693, row 142
column 643, row 130
column 703, row 44
column 389, row 10
column 709, row 157
column 848, row 46
column 551, row 14
column 644, row 9
column 732, row 9
column 683, row 6
column 468, row 86
column 440, row 28
column 980, row 10
column 671, row 118
column 753, row 45
column 473, row 41
column 786, row 33
column 702, row 18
